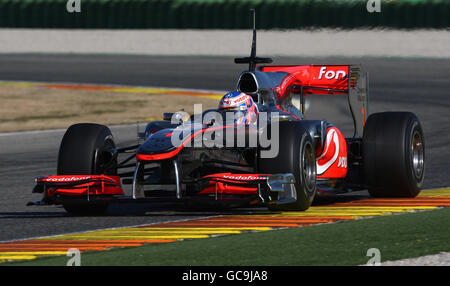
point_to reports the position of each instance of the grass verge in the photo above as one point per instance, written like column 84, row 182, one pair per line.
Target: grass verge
column 343, row 243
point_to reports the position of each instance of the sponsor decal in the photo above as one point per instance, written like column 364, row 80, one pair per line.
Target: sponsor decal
column 66, row 179
column 332, row 138
column 342, row 162
column 246, row 178
column 331, row 74
column 231, row 102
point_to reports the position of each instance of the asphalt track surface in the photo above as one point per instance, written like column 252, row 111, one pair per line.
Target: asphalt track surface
column 417, row 85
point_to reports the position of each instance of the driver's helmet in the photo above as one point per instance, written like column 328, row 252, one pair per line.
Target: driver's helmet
column 241, row 105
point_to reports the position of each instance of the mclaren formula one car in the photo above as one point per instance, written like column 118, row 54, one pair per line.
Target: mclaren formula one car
column 274, row 157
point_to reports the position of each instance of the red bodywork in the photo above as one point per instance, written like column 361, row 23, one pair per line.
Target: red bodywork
column 238, row 184
column 78, row 185
column 314, row 76
column 332, row 163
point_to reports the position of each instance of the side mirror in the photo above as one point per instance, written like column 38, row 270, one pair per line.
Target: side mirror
column 167, row 116
column 177, row 117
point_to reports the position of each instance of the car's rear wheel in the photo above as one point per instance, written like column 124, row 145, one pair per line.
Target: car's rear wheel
column 394, row 154
column 86, row 150
column 296, row 156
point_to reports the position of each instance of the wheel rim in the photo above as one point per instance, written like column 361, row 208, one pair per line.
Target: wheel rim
column 309, row 170
column 417, row 154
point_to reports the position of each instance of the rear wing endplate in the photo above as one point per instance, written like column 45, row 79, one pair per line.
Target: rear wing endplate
column 358, row 97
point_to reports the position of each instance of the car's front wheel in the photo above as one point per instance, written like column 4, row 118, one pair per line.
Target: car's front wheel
column 86, row 150
column 296, row 155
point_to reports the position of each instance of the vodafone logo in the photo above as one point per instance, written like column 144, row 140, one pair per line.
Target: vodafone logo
column 231, row 102
column 67, row 179
column 342, row 162
column 332, row 138
column 239, row 99
column 331, row 74
column 242, row 177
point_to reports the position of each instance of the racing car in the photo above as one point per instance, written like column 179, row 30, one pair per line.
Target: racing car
column 257, row 148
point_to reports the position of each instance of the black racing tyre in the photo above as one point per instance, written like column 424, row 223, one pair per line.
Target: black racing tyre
column 296, row 155
column 85, row 150
column 393, row 154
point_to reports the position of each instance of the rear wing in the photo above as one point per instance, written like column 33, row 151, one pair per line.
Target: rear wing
column 326, row 79
column 277, row 81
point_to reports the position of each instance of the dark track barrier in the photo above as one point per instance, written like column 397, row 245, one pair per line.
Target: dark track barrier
column 224, row 14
